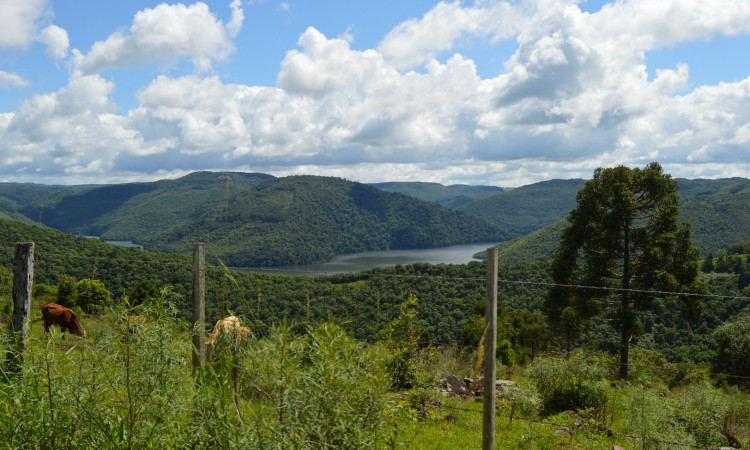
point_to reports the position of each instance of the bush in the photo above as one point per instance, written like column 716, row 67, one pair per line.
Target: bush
column 405, row 338
column 568, row 384
column 733, row 342
column 91, row 295
column 66, row 286
column 324, row 389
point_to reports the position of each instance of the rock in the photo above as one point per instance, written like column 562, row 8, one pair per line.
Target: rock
column 450, row 418
column 500, row 387
column 453, row 387
column 616, row 447
column 563, row 431
column 577, row 419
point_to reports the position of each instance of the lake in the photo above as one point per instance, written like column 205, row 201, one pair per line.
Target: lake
column 356, row 262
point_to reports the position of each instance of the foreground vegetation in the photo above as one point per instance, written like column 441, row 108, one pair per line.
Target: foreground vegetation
column 131, row 385
column 355, row 360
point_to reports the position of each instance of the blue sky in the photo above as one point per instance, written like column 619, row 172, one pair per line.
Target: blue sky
column 486, row 92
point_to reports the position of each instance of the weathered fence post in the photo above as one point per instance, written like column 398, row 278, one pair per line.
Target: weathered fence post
column 199, row 306
column 23, row 282
column 490, row 347
column 307, row 296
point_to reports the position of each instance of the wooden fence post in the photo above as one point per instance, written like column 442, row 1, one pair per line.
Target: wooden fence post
column 490, row 347
column 307, row 296
column 23, row 283
column 199, row 306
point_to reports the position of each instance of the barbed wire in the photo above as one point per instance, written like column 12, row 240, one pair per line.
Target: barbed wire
column 368, row 274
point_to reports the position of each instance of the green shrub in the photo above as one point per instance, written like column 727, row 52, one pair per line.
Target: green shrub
column 66, row 286
column 319, row 390
column 568, row 384
column 405, row 338
column 701, row 411
column 92, row 295
column 733, row 342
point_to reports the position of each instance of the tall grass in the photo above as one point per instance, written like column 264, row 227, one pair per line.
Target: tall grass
column 131, row 385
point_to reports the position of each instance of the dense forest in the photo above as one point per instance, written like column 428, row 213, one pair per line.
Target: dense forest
column 449, row 297
column 527, row 208
column 257, row 219
column 398, row 327
column 452, row 196
column 716, row 209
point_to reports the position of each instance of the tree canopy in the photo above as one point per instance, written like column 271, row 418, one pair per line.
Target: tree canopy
column 622, row 241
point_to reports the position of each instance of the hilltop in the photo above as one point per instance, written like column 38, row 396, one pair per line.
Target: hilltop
column 452, row 196
column 250, row 219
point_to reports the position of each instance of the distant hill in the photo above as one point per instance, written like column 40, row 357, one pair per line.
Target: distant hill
column 451, row 196
column 259, row 220
column 527, row 208
column 32, row 197
column 719, row 211
column 131, row 211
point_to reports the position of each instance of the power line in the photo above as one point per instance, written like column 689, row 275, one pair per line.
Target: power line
column 98, row 258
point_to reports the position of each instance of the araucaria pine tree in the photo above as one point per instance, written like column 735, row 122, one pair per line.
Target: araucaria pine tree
column 623, row 239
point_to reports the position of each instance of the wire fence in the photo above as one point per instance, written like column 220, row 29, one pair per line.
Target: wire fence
column 94, row 261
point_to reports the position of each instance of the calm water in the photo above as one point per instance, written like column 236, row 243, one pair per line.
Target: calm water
column 355, row 262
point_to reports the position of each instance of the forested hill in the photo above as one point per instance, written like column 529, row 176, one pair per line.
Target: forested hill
column 260, row 220
column 527, row 208
column 717, row 210
column 32, row 197
column 451, row 196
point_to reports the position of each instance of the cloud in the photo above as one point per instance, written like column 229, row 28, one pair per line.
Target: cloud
column 72, row 130
column 167, row 33
column 238, row 16
column 56, row 40
column 415, row 42
column 8, row 79
column 18, row 22
column 575, row 95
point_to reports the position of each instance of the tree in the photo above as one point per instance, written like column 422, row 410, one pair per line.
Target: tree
column 404, row 337
column 708, row 263
column 144, row 290
column 66, row 285
column 91, row 295
column 622, row 240
column 529, row 331
column 733, row 342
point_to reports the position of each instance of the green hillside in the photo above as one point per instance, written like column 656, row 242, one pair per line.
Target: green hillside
column 122, row 211
column 527, row 208
column 32, row 197
column 266, row 390
column 717, row 209
column 259, row 220
column 451, row 196
column 719, row 217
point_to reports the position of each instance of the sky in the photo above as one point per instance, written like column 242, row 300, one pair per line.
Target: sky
column 489, row 92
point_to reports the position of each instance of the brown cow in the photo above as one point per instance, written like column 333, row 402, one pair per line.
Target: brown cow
column 229, row 326
column 54, row 314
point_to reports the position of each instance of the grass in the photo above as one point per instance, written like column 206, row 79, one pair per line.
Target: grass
column 133, row 386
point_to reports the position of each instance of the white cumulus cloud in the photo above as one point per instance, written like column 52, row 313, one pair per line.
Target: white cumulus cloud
column 166, row 33
column 56, row 40
column 18, row 22
column 8, row 79
column 577, row 93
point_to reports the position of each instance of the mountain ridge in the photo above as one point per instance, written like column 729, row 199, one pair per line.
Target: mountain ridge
column 261, row 220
